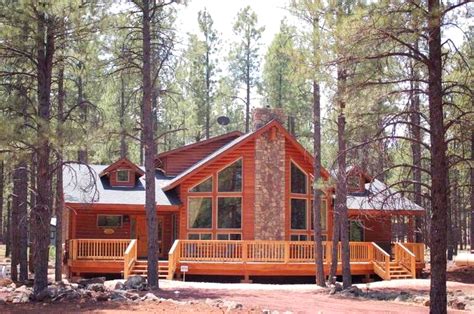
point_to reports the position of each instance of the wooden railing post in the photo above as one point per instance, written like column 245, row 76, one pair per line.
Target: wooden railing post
column 328, row 252
column 387, row 268
column 245, row 252
column 287, row 252
column 74, row 249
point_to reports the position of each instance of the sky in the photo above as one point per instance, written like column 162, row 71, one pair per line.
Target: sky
column 224, row 12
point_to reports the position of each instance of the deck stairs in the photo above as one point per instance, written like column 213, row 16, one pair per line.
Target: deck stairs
column 140, row 268
column 397, row 271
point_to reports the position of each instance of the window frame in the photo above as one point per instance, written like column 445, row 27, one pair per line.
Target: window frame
column 202, row 181
column 241, row 159
column 308, row 197
column 307, row 187
column 228, row 235
column 306, row 213
column 217, row 211
column 117, row 175
column 109, row 227
column 188, row 213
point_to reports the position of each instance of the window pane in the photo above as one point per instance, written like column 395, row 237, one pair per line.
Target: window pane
column 200, row 212
column 205, row 186
column 193, row 236
column 229, row 213
column 222, row 236
column 230, row 179
column 298, row 213
column 109, row 221
column 206, row 236
column 122, row 175
column 294, row 237
column 298, row 180
column 356, row 231
column 235, row 236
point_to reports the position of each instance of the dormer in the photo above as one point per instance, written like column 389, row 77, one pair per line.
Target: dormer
column 356, row 180
column 122, row 173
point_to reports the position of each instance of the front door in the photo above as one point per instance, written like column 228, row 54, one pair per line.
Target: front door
column 142, row 236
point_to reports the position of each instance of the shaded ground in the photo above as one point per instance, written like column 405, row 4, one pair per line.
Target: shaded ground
column 198, row 297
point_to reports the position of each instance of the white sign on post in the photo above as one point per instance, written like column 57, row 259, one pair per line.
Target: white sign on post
column 184, row 269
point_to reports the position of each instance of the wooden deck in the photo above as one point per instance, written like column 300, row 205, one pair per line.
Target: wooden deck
column 244, row 258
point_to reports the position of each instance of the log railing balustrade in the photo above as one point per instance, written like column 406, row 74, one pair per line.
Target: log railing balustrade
column 406, row 258
column 129, row 258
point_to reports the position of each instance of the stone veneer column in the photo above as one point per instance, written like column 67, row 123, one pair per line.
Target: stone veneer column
column 270, row 186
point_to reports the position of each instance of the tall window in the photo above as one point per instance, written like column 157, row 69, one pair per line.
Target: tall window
column 216, row 204
column 301, row 206
column 200, row 213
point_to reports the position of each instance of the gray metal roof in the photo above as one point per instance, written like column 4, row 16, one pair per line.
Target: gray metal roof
column 82, row 184
column 381, row 197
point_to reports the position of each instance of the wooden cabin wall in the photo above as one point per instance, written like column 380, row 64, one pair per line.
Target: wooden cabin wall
column 176, row 163
column 85, row 227
column 247, row 152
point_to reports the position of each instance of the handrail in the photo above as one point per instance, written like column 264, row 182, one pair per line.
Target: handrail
column 261, row 251
column 418, row 249
column 173, row 258
column 381, row 261
column 98, row 249
column 129, row 258
column 406, row 258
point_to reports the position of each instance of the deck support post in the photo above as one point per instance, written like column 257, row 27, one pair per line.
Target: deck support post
column 246, row 279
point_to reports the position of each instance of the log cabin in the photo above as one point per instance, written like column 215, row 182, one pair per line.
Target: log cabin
column 233, row 205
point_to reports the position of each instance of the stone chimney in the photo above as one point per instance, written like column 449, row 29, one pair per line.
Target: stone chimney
column 269, row 176
column 262, row 116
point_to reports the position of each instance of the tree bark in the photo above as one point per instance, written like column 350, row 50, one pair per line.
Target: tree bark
column 341, row 182
column 318, row 244
column 247, row 78
column 41, row 213
column 439, row 164
column 8, row 236
column 123, row 142
column 149, row 145
column 58, row 262
column 336, row 235
column 416, row 146
column 2, row 188
column 471, row 238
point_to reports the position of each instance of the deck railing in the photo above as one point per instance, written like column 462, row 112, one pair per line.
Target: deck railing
column 418, row 249
column 263, row 251
column 381, row 262
column 406, row 258
column 129, row 258
column 173, row 258
column 98, row 249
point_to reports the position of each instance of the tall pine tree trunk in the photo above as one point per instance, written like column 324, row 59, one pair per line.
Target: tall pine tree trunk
column 58, row 262
column 123, row 130
column 439, row 163
column 41, row 213
column 341, row 182
column 416, row 146
column 471, row 238
column 2, row 188
column 318, row 244
column 150, row 150
column 336, row 232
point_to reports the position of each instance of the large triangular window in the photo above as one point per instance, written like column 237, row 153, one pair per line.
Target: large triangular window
column 230, row 179
column 204, row 186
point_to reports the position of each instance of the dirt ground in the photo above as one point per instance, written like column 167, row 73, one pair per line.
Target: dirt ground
column 255, row 298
